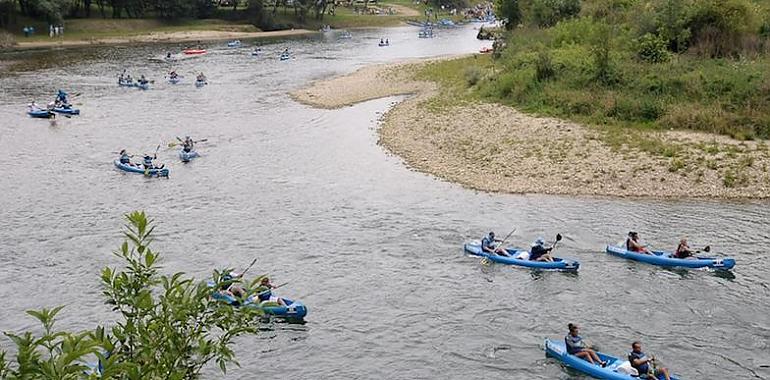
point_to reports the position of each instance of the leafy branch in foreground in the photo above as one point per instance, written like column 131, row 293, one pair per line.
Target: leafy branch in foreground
column 169, row 327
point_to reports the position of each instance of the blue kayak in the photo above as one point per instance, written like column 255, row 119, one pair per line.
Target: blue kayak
column 41, row 114
column 187, row 156
column 174, row 80
column 234, row 44
column 200, row 83
column 143, row 86
column 558, row 351
column 666, row 259
column 285, row 57
column 293, row 310
column 141, row 170
column 67, row 110
column 474, row 248
column 125, row 83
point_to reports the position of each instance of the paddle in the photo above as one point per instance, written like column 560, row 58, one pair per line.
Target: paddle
column 271, row 289
column 173, row 144
column 558, row 239
column 249, row 267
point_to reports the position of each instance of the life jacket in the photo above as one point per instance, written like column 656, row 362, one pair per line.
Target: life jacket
column 644, row 368
column 574, row 344
column 124, row 159
column 487, row 242
column 148, row 162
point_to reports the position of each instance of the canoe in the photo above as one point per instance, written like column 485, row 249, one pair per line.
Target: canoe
column 41, row 114
column 187, row 156
column 294, row 310
column 140, row 170
column 665, row 259
column 67, row 110
column 200, row 83
column 194, row 51
column 559, row 264
column 174, row 80
column 557, row 350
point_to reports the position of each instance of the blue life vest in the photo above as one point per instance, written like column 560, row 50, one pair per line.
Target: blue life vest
column 148, row 162
column 487, row 242
column 574, row 344
column 264, row 296
column 124, row 159
column 644, row 368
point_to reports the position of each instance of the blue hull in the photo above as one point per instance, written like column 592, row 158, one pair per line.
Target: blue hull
column 145, row 86
column 284, row 57
column 187, row 156
column 199, row 83
column 557, row 350
column 139, row 170
column 664, row 259
column 41, row 114
column 294, row 310
column 557, row 264
column 67, row 111
column 174, row 80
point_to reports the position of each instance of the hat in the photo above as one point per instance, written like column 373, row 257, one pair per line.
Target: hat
column 539, row 241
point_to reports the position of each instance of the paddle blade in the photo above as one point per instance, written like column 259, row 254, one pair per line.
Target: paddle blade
column 558, row 237
column 707, row 248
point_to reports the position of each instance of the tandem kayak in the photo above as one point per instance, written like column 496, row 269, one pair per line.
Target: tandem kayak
column 194, row 51
column 41, row 114
column 66, row 110
column 666, row 259
column 187, row 156
column 616, row 368
column 474, row 248
column 125, row 83
column 294, row 310
column 163, row 172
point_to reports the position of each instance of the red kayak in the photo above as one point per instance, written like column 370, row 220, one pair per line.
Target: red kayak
column 485, row 50
column 194, row 51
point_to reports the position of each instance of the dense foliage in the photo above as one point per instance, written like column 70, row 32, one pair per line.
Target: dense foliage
column 168, row 327
column 655, row 63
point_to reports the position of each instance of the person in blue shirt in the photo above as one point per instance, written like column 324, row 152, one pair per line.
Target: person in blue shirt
column 148, row 162
column 576, row 346
column 125, row 158
column 539, row 252
column 187, row 144
column 61, row 99
column 488, row 245
column 641, row 362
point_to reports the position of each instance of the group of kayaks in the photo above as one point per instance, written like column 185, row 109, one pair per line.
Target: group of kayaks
column 659, row 258
column 186, row 154
column 60, row 105
column 614, row 368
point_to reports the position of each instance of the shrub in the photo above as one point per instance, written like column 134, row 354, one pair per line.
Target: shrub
column 652, row 49
column 510, row 12
column 547, row 13
column 719, row 26
column 544, row 68
column 472, row 75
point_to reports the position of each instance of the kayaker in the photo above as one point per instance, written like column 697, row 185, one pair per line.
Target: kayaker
column 539, row 252
column 641, row 362
column 683, row 251
column 488, row 245
column 61, row 97
column 231, row 286
column 265, row 294
column 148, row 162
column 576, row 346
column 168, row 55
column 387, row 42
column 285, row 51
column 125, row 158
column 633, row 245
column 201, row 78
column 143, row 80
column 187, row 144
column 128, row 79
column 173, row 74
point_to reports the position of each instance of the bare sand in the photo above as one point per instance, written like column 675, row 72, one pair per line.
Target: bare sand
column 492, row 147
column 182, row 36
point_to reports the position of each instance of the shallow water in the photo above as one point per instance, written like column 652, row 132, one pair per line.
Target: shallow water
column 372, row 247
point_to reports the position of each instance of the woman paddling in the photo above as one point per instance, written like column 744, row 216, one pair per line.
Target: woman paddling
column 576, row 346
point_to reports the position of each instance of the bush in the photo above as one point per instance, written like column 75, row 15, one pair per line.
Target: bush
column 472, row 75
column 719, row 27
column 547, row 13
column 544, row 68
column 652, row 49
column 509, row 12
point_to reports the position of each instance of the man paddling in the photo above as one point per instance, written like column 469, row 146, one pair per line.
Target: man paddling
column 633, row 244
column 641, row 362
column 187, row 144
column 539, row 252
column 488, row 245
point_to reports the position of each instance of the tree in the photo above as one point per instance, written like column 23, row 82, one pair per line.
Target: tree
column 168, row 326
column 510, row 12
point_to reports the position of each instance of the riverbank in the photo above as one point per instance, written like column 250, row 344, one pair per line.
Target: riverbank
column 492, row 147
column 163, row 37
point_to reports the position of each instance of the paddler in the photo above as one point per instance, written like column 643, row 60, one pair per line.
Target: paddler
column 187, row 144
column 488, row 245
column 641, row 362
column 265, row 294
column 633, row 244
column 538, row 251
column 148, row 162
column 683, row 251
column 576, row 346
column 125, row 159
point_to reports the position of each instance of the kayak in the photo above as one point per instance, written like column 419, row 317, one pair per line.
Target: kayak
column 285, row 57
column 41, row 114
column 200, row 83
column 126, row 84
column 138, row 169
column 194, row 51
column 256, row 53
column 294, row 310
column 173, row 80
column 559, row 264
column 616, row 369
column 381, row 44
column 666, row 259
column 67, row 110
column 486, row 50
column 187, row 156
column 234, row 44
column 143, row 86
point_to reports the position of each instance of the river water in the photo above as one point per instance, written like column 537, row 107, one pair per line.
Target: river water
column 372, row 247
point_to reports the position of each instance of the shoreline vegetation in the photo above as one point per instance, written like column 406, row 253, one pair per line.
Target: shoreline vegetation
column 441, row 130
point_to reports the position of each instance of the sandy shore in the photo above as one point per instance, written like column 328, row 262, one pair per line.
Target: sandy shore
column 493, row 147
column 172, row 37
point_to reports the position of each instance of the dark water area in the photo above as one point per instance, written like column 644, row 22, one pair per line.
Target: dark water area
column 373, row 248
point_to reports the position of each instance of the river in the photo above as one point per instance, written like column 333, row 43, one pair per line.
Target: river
column 373, row 248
